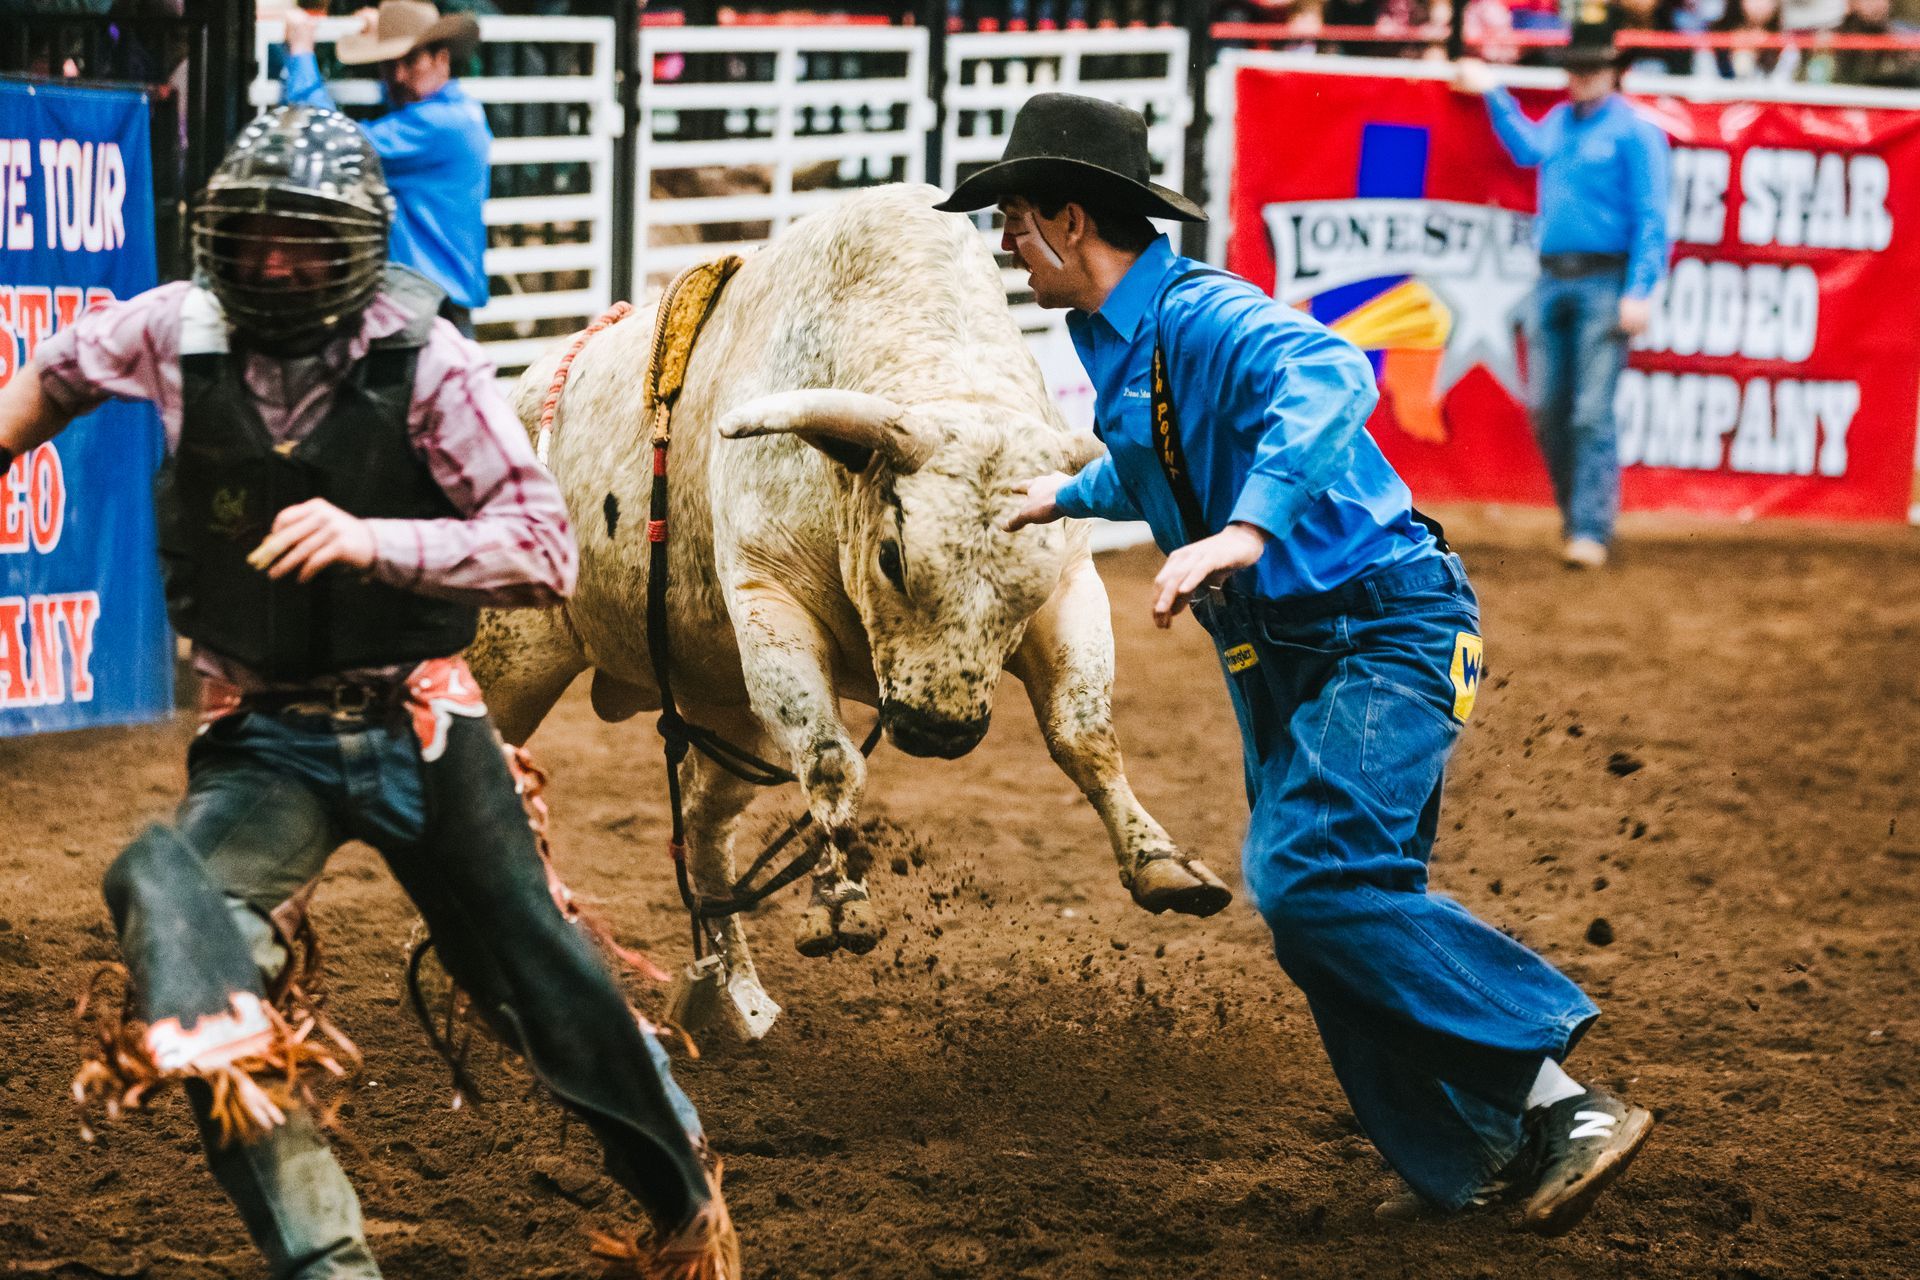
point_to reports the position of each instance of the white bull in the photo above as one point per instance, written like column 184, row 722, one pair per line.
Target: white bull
column 857, row 415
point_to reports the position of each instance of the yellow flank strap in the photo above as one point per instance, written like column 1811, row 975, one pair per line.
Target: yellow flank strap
column 684, row 309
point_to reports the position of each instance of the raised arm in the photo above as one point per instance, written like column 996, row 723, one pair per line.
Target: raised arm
column 402, row 139
column 1524, row 139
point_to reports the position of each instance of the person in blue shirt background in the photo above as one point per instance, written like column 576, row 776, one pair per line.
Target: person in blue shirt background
column 433, row 142
column 1603, row 247
column 1350, row 640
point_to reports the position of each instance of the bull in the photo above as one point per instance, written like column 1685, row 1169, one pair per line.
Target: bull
column 857, row 417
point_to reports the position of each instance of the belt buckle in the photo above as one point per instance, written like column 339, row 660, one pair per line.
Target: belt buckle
column 350, row 701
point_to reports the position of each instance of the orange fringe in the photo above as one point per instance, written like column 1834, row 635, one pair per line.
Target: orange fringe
column 251, row 1095
column 708, row 1249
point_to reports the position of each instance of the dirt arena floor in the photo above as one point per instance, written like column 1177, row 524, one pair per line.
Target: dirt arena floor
column 1712, row 749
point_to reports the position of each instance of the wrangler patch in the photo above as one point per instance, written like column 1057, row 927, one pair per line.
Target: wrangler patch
column 1240, row 657
column 1467, row 665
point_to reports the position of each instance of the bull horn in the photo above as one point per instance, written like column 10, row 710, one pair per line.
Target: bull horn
column 848, row 426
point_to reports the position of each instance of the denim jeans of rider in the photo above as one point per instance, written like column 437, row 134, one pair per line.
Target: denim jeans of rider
column 1435, row 1022
column 1575, row 353
column 268, row 800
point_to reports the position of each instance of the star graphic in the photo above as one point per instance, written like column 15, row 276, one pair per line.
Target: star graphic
column 1487, row 304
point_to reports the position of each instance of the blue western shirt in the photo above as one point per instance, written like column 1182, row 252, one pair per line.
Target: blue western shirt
column 1271, row 408
column 435, row 154
column 1603, row 181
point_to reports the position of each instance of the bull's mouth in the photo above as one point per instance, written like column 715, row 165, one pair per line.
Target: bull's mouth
column 920, row 734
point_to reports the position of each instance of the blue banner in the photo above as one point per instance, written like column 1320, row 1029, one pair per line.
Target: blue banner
column 83, row 627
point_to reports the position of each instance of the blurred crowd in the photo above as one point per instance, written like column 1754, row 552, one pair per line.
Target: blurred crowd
column 1405, row 28
column 1497, row 29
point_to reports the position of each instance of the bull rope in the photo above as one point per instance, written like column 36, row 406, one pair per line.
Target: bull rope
column 683, row 311
column 551, row 405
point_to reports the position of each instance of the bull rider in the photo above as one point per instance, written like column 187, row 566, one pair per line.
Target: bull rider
column 345, row 488
column 1350, row 641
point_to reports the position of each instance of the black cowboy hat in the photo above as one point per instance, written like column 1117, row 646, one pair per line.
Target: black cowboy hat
column 1590, row 47
column 1086, row 150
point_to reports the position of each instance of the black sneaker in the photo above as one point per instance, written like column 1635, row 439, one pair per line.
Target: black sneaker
column 1584, row 1144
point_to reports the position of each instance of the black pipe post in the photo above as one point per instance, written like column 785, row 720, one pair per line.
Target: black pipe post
column 1457, row 31
column 1199, row 23
column 626, row 146
column 932, row 14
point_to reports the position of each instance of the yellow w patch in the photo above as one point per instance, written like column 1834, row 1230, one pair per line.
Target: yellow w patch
column 1468, row 662
column 1240, row 657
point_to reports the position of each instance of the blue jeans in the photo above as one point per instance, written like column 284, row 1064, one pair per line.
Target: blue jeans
column 1436, row 1024
column 268, row 799
column 1575, row 353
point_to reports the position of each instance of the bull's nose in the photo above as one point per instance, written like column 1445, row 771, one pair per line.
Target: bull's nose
column 919, row 734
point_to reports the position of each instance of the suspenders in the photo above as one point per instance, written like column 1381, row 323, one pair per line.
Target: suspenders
column 1173, row 458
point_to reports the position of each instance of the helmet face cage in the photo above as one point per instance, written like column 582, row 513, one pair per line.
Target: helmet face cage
column 303, row 186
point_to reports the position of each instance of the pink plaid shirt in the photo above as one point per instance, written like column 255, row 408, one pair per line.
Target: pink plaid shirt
column 511, row 548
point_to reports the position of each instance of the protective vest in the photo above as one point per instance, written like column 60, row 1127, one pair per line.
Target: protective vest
column 217, row 496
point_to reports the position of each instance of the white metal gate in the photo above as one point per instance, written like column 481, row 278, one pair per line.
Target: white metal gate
column 746, row 128
column 548, row 85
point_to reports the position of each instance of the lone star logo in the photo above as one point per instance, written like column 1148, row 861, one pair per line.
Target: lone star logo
column 1430, row 289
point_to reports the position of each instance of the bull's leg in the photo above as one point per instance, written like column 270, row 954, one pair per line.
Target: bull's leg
column 524, row 660
column 1066, row 663
column 787, row 663
column 715, row 799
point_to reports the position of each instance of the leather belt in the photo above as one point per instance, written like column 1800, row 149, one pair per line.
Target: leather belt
column 360, row 703
column 1573, row 266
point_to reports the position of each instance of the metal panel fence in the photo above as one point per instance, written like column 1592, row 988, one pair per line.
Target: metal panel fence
column 745, row 128
column 549, row 90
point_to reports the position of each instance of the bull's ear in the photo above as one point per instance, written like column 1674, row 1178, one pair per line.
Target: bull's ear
column 1082, row 447
column 848, row 426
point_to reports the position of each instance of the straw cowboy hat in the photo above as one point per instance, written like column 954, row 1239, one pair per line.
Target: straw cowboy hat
column 1074, row 147
column 405, row 25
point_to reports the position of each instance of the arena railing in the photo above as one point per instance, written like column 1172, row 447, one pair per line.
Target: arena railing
column 1307, row 37
column 744, row 128
column 549, row 89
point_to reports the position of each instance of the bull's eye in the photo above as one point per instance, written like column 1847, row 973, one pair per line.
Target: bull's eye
column 891, row 566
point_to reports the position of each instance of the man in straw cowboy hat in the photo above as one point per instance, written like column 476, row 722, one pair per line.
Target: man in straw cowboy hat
column 1350, row 641
column 1603, row 248
column 433, row 141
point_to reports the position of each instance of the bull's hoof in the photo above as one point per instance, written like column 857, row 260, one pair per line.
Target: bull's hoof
column 815, row 936
column 858, row 927
column 1169, row 882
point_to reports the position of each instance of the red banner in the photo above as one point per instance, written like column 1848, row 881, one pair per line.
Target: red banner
column 1780, row 377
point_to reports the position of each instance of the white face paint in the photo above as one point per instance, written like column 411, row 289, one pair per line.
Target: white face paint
column 1025, row 234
